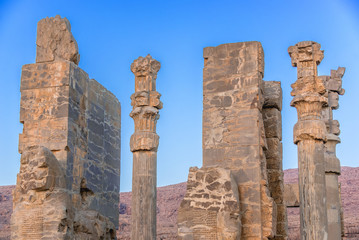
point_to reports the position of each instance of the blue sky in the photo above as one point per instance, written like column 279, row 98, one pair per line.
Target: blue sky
column 111, row 34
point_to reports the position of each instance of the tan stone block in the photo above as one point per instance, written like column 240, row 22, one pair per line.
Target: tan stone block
column 252, row 231
column 272, row 119
column 309, row 129
column 274, row 163
column 249, row 194
column 55, row 41
column 44, row 103
column 272, row 95
column 275, row 176
column 47, row 133
column 43, row 75
column 248, row 98
column 252, row 215
column 274, row 150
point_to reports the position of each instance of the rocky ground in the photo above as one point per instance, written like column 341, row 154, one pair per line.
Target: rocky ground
column 169, row 198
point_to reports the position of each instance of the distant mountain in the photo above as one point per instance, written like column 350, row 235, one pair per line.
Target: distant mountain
column 170, row 197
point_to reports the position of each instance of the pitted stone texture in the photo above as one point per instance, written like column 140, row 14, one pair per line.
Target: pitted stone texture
column 210, row 208
column 55, row 41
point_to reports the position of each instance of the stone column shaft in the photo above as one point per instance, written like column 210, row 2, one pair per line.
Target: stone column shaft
column 144, row 143
column 310, row 136
column 312, row 189
column 333, row 84
column 144, row 194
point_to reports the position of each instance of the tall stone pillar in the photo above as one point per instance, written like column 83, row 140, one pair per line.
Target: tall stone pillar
column 69, row 178
column 333, row 84
column 144, row 142
column 310, row 136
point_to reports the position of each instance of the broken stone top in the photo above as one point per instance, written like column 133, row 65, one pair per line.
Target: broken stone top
column 55, row 41
column 306, row 51
column 145, row 70
column 143, row 66
column 335, row 81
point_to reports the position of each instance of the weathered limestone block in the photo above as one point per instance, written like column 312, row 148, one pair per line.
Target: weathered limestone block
column 310, row 136
column 272, row 95
column 272, row 120
column 79, row 121
column 144, row 143
column 42, row 205
column 210, row 208
column 55, row 41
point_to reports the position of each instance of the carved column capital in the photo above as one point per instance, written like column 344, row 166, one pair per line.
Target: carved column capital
column 306, row 53
column 146, row 104
column 308, row 91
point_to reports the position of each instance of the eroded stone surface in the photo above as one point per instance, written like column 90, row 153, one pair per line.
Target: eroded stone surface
column 210, row 208
column 55, row 41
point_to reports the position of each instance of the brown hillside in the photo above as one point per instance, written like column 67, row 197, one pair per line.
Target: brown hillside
column 169, row 198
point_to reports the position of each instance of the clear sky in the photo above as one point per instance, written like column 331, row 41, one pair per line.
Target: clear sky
column 111, row 34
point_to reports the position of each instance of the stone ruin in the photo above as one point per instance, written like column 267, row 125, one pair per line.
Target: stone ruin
column 68, row 184
column 238, row 193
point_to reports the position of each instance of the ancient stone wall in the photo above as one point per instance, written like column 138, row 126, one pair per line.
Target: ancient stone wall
column 234, row 138
column 72, row 120
column 272, row 119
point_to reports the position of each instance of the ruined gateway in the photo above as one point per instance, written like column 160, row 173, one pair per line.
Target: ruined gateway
column 68, row 184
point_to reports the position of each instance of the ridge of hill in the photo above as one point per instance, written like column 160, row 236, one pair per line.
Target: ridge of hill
column 170, row 197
